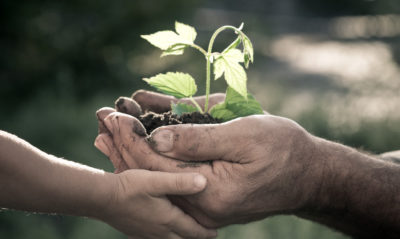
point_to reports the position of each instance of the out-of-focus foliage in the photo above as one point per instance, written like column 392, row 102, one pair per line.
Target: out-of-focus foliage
column 331, row 65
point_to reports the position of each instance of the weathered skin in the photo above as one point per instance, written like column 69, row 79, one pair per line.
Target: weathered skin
column 265, row 165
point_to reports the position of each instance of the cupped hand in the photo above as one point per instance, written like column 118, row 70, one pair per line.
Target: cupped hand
column 140, row 102
column 256, row 166
column 139, row 207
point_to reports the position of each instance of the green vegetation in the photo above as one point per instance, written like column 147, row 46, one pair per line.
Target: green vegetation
column 238, row 101
column 63, row 60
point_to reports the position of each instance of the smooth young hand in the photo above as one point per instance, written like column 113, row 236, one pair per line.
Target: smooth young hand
column 134, row 201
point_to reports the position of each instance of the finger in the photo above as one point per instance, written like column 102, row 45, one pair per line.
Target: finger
column 136, row 150
column 195, row 142
column 186, row 227
column 129, row 137
column 163, row 183
column 128, row 106
column 104, row 112
column 101, row 114
column 152, row 101
column 160, row 103
column 105, row 144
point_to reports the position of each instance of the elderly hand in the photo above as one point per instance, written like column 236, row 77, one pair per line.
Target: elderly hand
column 141, row 101
column 256, row 166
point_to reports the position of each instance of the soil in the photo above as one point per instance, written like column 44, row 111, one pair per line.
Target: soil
column 152, row 120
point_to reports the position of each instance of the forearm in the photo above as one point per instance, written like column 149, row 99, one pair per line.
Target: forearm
column 32, row 180
column 358, row 194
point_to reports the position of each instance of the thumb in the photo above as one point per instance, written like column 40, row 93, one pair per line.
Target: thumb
column 163, row 183
column 194, row 142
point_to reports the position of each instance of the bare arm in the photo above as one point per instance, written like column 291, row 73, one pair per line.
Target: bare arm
column 32, row 180
column 358, row 193
column 133, row 202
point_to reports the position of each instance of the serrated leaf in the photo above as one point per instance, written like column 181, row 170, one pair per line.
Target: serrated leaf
column 176, row 84
column 235, row 105
column 162, row 39
column 220, row 111
column 182, row 108
column 235, row 76
column 173, row 43
column 219, row 68
column 185, row 31
column 233, row 55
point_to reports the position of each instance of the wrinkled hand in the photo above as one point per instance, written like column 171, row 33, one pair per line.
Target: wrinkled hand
column 140, row 194
column 256, row 166
column 141, row 101
column 139, row 207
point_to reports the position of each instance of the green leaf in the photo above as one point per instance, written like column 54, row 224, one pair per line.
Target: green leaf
column 248, row 50
column 234, row 44
column 176, row 49
column 219, row 111
column 186, row 32
column 182, row 108
column 235, row 76
column 176, row 84
column 173, row 43
column 163, row 39
column 235, row 105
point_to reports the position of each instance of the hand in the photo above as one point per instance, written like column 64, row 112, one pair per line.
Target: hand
column 143, row 101
column 256, row 166
column 139, row 207
column 134, row 201
column 140, row 102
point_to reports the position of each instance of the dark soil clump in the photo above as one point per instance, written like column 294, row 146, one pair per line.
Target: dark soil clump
column 152, row 120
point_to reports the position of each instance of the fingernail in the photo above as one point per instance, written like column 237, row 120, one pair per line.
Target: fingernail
column 200, row 181
column 101, row 145
column 108, row 123
column 163, row 140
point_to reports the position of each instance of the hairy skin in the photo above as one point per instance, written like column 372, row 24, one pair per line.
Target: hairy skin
column 358, row 193
column 267, row 165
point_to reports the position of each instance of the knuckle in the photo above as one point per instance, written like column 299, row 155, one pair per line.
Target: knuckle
column 138, row 95
column 179, row 183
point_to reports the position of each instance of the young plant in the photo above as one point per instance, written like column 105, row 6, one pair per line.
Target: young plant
column 238, row 101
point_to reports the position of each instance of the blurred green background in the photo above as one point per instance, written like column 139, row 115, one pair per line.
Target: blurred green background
column 331, row 65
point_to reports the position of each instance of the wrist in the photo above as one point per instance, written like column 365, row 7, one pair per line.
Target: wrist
column 331, row 167
column 102, row 196
column 355, row 192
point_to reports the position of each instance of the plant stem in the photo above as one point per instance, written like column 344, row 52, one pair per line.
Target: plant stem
column 196, row 104
column 208, row 80
column 199, row 48
column 208, row 55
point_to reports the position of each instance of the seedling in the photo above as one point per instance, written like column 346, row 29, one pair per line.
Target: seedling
column 238, row 101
